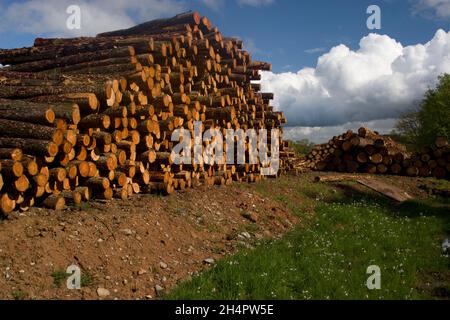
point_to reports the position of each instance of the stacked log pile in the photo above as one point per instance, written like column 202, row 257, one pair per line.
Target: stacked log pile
column 92, row 117
column 365, row 151
column 433, row 161
column 290, row 161
column 369, row 152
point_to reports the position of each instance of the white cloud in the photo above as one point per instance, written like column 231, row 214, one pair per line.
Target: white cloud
column 49, row 16
column 315, row 50
column 379, row 81
column 437, row 8
column 255, row 3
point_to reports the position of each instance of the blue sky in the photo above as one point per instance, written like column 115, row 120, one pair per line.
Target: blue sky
column 283, row 31
column 330, row 72
column 291, row 33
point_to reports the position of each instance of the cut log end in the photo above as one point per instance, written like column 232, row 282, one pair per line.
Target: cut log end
column 54, row 202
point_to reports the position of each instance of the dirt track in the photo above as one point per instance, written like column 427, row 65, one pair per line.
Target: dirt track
column 130, row 247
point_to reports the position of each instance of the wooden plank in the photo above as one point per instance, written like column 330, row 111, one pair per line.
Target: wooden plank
column 387, row 190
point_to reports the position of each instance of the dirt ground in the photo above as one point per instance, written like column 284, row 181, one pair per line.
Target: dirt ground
column 131, row 248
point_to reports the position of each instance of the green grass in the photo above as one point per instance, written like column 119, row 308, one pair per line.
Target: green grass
column 18, row 295
column 60, row 276
column 327, row 255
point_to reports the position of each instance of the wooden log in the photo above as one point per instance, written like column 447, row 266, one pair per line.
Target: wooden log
column 54, row 202
column 31, row 146
column 107, row 162
column 86, row 102
column 98, row 184
column 40, row 180
column 155, row 26
column 61, row 63
column 31, row 167
column 84, row 192
column 120, row 178
column 121, row 193
column 11, row 168
column 95, row 121
column 106, row 194
column 16, row 129
column 72, row 197
column 25, row 92
column 26, row 111
column 439, row 172
column 11, row 153
column 58, row 174
column 412, row 171
column 7, row 204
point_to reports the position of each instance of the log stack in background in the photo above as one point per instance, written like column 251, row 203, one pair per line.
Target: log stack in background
column 369, row 152
column 93, row 116
column 432, row 161
column 291, row 162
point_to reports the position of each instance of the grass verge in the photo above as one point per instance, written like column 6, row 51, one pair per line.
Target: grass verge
column 327, row 255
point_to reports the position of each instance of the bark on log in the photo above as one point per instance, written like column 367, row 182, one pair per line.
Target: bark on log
column 155, row 26
column 31, row 146
column 76, row 59
column 26, row 111
column 16, row 129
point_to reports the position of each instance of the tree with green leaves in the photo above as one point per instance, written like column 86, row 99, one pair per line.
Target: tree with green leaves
column 434, row 115
column 421, row 127
column 302, row 147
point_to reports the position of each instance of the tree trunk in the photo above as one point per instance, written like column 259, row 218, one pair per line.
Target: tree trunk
column 31, row 146
column 155, row 26
column 16, row 129
column 36, row 113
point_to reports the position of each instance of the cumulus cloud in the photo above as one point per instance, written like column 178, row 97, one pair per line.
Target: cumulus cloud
column 380, row 80
column 437, row 8
column 49, row 16
column 255, row 3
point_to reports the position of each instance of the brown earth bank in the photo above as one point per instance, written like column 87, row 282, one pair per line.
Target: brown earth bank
column 135, row 247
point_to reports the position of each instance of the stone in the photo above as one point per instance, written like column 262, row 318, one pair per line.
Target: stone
column 446, row 247
column 127, row 232
column 142, row 271
column 163, row 265
column 102, row 292
column 159, row 290
column 246, row 235
column 253, row 217
column 209, row 261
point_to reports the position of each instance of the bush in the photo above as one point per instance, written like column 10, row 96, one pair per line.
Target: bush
column 434, row 115
column 302, row 147
column 421, row 127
